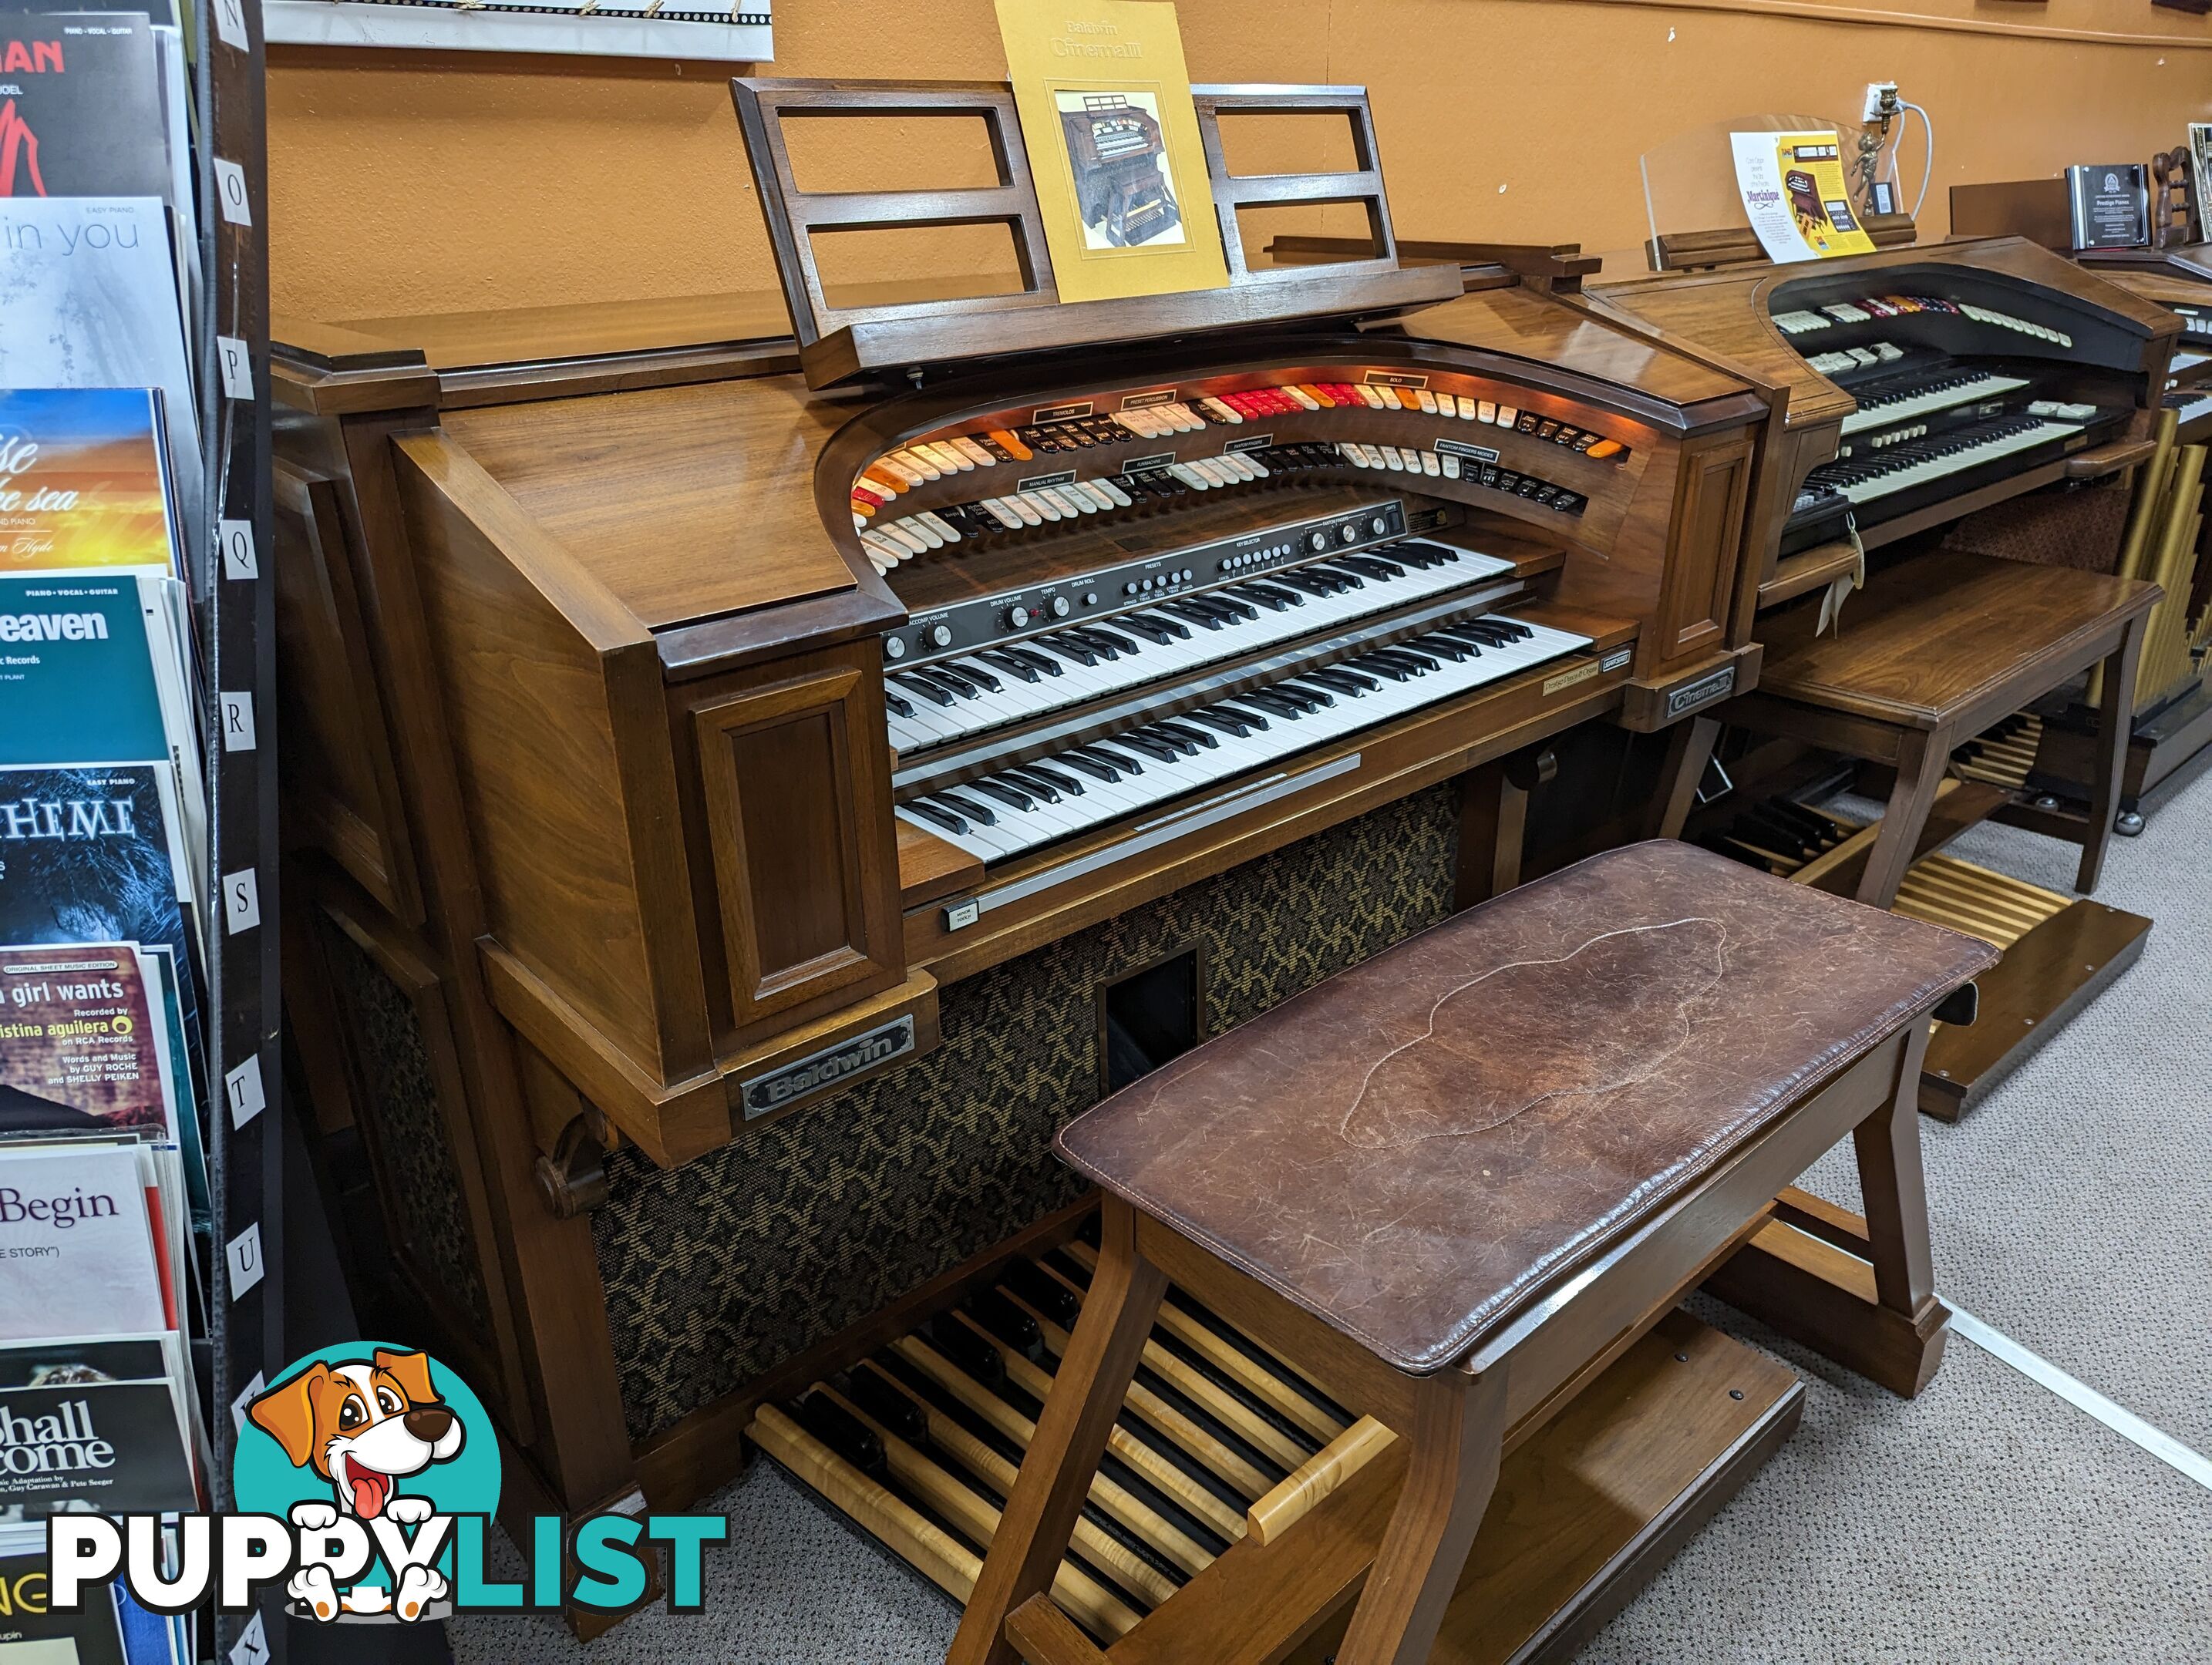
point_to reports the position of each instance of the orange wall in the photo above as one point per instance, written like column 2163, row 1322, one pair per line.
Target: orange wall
column 413, row 182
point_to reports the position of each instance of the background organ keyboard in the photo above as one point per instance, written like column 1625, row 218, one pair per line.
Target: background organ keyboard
column 1148, row 763
column 1918, row 462
column 1946, row 388
column 932, row 703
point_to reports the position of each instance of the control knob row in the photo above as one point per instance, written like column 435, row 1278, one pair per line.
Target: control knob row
column 1020, row 617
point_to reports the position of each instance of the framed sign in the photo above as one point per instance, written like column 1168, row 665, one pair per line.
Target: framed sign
column 738, row 33
column 2110, row 206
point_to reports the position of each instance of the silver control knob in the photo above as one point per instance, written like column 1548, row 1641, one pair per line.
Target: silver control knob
column 1347, row 533
column 940, row 635
column 1060, row 606
column 1379, row 525
column 1317, row 540
column 894, row 648
column 1017, row 618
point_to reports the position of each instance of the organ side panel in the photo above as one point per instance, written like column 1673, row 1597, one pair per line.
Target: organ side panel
column 541, row 688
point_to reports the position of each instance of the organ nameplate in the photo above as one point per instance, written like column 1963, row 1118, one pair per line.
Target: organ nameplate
column 1257, row 442
column 1064, row 477
column 1395, row 379
column 1701, row 692
column 1481, row 453
column 1060, row 412
column 762, row 1094
column 1582, row 672
column 1144, row 401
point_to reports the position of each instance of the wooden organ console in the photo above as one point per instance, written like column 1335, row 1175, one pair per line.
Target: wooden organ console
column 2167, row 541
column 1934, row 405
column 741, row 760
column 1933, row 408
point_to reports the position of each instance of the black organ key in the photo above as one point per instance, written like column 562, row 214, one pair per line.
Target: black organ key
column 1012, row 796
column 1053, row 777
column 1184, row 609
column 1065, row 645
column 928, row 690
column 1374, row 566
column 1222, row 721
column 1089, row 765
column 942, row 818
column 1228, row 601
column 1119, row 643
column 1139, row 625
column 950, row 680
column 968, row 807
column 1127, row 765
column 1187, row 733
column 1137, row 740
column 1344, row 677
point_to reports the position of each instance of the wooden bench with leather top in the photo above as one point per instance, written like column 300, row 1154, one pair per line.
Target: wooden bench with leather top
column 1936, row 650
column 1456, row 1181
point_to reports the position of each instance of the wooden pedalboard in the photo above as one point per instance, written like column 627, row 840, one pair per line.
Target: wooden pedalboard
column 2059, row 950
column 918, row 1444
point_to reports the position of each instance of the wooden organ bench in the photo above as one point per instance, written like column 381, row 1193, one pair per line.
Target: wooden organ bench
column 1459, row 1182
column 1938, row 649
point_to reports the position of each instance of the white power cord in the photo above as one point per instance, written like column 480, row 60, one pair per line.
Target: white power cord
column 1927, row 160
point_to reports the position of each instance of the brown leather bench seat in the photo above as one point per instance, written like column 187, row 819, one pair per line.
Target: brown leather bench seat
column 1419, row 1148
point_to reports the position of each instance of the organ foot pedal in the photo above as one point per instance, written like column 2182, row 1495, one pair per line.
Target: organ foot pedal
column 919, row 1444
column 2060, row 952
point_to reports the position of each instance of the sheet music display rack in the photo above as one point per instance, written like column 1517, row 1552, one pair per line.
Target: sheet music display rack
column 234, row 603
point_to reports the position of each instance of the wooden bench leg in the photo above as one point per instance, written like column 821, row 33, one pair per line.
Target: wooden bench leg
column 1493, row 813
column 1920, row 762
column 1459, row 1433
column 1859, row 1291
column 1689, row 749
column 1070, row 1435
column 2116, row 716
column 1895, row 1189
